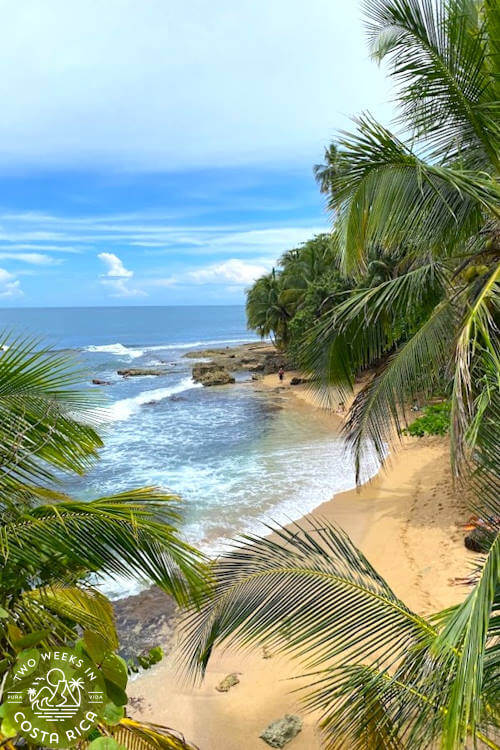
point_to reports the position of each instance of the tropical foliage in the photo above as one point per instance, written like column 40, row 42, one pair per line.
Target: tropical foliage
column 286, row 303
column 54, row 549
column 417, row 237
column 434, row 421
column 381, row 676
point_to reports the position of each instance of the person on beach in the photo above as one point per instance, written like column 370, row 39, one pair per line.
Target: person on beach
column 281, row 374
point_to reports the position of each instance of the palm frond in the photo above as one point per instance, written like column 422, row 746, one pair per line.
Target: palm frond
column 438, row 57
column 467, row 633
column 477, row 341
column 45, row 416
column 130, row 534
column 140, row 735
column 367, row 324
column 310, row 592
column 386, row 193
column 86, row 607
column 378, row 412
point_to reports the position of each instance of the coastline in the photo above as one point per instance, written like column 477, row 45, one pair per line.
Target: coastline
column 407, row 520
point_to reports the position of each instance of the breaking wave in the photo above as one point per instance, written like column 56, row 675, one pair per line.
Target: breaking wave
column 126, row 407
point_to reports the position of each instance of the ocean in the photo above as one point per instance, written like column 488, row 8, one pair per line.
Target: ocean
column 239, row 456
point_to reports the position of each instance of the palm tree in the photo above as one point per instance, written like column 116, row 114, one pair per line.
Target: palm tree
column 52, row 547
column 268, row 310
column 325, row 173
column 437, row 198
column 388, row 678
column 381, row 676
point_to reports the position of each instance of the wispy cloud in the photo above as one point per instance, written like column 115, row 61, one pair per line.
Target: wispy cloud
column 37, row 259
column 233, row 271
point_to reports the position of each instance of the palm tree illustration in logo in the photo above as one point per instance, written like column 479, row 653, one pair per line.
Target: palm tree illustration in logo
column 54, row 697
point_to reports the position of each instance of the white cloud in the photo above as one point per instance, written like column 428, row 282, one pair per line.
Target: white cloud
column 233, row 271
column 117, row 276
column 115, row 266
column 120, row 288
column 9, row 285
column 184, row 83
column 37, row 259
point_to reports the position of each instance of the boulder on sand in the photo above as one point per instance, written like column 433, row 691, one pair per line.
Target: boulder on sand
column 281, row 731
column 211, row 373
column 299, row 381
column 478, row 540
column 228, row 682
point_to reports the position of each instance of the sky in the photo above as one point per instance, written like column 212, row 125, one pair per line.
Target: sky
column 160, row 151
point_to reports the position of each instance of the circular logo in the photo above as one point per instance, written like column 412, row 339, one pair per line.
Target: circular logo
column 54, row 698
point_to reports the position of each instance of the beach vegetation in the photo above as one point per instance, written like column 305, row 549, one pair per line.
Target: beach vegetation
column 379, row 674
column 416, row 212
column 435, row 420
column 54, row 549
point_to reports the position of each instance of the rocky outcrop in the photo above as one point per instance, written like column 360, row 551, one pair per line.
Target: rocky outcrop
column 227, row 683
column 281, row 731
column 211, row 373
column 134, row 372
column 273, row 361
column 255, row 357
column 144, row 621
column 96, row 381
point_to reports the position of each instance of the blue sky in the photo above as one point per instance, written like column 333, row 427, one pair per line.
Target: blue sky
column 161, row 151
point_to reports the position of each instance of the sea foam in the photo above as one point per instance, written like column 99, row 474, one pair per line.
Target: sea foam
column 118, row 349
column 126, row 407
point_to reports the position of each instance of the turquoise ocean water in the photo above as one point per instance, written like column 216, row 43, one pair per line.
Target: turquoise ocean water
column 238, row 456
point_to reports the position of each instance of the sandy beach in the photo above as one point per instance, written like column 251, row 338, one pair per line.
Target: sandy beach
column 408, row 522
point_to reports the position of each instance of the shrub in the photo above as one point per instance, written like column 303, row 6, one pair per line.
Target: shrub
column 435, row 420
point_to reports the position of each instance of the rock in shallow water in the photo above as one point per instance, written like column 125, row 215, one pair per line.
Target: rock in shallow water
column 135, row 372
column 281, row 731
column 211, row 373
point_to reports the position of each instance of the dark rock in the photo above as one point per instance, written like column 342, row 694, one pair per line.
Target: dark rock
column 144, row 621
column 211, row 373
column 299, row 381
column 478, row 540
column 281, row 731
column 273, row 361
column 96, row 381
column 255, row 367
column 134, row 372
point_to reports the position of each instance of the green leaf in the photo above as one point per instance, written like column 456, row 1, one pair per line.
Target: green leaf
column 7, row 729
column 4, row 613
column 96, row 646
column 116, row 694
column 114, row 669
column 105, row 743
column 112, row 714
column 31, row 639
